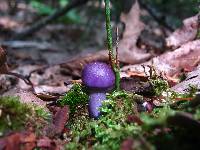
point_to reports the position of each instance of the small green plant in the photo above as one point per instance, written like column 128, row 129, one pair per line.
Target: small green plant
column 113, row 60
column 77, row 95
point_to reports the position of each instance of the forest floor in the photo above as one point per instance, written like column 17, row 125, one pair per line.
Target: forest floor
column 157, row 66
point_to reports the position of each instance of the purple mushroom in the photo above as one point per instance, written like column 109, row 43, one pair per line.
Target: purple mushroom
column 98, row 77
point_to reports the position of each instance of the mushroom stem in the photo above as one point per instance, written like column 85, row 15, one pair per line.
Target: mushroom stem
column 95, row 103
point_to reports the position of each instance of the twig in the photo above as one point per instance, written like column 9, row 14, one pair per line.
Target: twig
column 40, row 24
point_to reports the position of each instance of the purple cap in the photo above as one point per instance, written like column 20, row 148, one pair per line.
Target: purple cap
column 98, row 75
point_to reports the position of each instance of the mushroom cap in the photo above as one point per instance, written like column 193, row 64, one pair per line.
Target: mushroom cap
column 98, row 75
column 95, row 102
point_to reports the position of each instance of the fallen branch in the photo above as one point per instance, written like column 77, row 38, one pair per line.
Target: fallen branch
column 40, row 24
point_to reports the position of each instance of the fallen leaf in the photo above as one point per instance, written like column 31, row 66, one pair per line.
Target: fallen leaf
column 60, row 118
column 15, row 141
column 192, row 78
column 11, row 142
column 184, row 34
column 128, row 51
column 171, row 63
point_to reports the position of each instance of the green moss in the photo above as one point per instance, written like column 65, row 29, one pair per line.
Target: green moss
column 41, row 113
column 110, row 129
column 15, row 115
column 159, row 86
column 77, row 95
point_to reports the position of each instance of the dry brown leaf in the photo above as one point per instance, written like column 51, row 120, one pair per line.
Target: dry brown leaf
column 192, row 78
column 184, row 34
column 60, row 118
column 186, row 58
column 128, row 51
column 16, row 141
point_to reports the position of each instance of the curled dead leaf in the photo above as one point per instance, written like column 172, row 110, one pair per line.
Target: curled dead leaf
column 60, row 118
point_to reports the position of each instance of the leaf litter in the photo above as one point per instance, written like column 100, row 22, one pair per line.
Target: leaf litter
column 183, row 59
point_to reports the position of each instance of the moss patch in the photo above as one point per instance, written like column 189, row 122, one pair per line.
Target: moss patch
column 77, row 95
column 111, row 128
column 16, row 116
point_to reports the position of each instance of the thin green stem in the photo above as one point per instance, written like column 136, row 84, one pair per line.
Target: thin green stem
column 113, row 60
column 109, row 30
